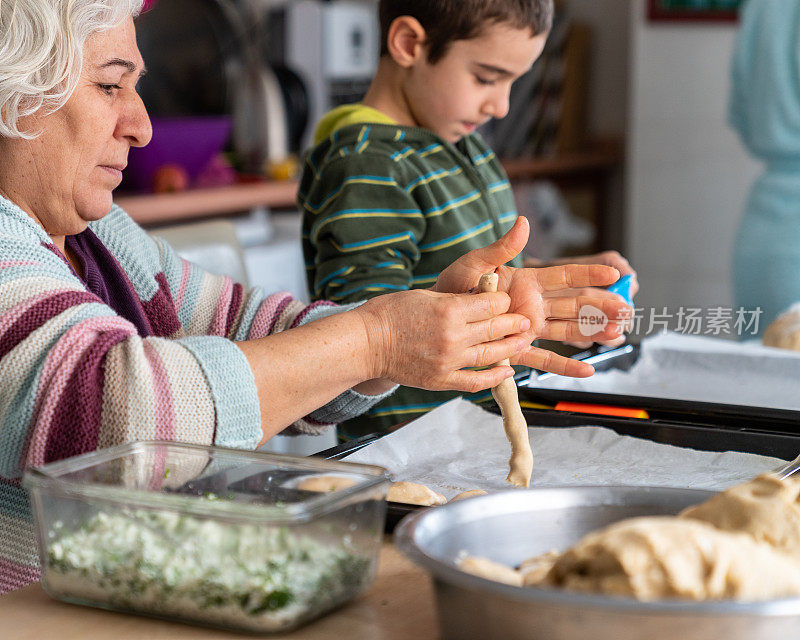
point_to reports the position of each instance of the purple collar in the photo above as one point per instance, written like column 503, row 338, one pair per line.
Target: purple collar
column 104, row 277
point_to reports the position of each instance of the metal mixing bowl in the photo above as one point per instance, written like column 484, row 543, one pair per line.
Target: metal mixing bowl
column 511, row 526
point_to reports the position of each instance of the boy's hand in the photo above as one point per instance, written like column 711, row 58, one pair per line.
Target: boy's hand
column 552, row 317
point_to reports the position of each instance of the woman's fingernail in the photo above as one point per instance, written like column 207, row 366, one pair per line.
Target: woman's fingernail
column 525, row 324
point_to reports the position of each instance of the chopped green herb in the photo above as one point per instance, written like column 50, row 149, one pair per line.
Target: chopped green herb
column 241, row 575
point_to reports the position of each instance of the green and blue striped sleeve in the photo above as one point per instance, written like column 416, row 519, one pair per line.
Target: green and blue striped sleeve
column 361, row 231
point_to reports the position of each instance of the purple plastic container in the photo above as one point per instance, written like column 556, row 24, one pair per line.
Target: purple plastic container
column 190, row 142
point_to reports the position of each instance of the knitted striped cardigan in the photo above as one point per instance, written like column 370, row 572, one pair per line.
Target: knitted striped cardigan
column 76, row 376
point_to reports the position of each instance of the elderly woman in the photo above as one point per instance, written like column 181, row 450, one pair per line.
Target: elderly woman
column 107, row 336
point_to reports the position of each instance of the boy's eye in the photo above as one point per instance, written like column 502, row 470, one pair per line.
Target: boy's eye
column 484, row 81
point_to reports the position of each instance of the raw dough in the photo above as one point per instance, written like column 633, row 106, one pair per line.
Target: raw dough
column 413, row 493
column 534, row 569
column 743, row 543
column 766, row 508
column 468, row 494
column 520, row 466
column 325, row 484
column 784, row 332
column 652, row 558
column 490, row 570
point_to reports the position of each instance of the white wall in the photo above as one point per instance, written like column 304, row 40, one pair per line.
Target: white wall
column 688, row 176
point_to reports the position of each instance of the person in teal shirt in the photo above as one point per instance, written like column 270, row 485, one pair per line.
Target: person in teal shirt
column 765, row 112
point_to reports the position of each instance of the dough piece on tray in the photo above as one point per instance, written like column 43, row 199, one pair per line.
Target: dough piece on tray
column 413, row 493
column 325, row 484
column 652, row 558
column 784, row 332
column 472, row 493
column 766, row 508
column 490, row 570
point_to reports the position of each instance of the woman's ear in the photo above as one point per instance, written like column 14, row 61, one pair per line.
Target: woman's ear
column 406, row 41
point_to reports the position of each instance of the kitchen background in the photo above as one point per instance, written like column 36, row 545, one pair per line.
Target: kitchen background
column 626, row 144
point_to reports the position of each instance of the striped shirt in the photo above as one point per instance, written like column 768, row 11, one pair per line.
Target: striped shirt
column 386, row 208
column 141, row 350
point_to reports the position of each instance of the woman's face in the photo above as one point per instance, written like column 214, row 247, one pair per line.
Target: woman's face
column 64, row 178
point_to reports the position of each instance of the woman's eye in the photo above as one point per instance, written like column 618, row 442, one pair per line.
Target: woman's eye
column 109, row 88
column 484, row 81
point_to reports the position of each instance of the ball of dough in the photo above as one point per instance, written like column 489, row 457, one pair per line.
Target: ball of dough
column 653, row 558
column 472, row 493
column 784, row 332
column 490, row 570
column 413, row 493
column 534, row 569
column 766, row 508
column 325, row 484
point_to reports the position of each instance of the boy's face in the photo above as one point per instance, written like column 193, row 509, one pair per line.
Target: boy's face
column 470, row 85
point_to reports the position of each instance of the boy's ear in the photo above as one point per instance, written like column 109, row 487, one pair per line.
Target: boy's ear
column 406, row 41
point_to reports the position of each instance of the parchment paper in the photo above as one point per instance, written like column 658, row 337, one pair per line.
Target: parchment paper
column 700, row 369
column 459, row 446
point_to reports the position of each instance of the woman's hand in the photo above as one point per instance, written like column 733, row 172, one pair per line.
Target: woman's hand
column 594, row 292
column 609, row 258
column 415, row 338
column 424, row 339
column 552, row 317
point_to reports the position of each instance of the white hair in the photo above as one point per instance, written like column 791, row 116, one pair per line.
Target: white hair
column 41, row 52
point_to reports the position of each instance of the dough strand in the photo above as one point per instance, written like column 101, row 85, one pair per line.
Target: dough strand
column 516, row 427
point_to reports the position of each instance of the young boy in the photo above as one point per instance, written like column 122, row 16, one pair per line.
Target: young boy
column 400, row 185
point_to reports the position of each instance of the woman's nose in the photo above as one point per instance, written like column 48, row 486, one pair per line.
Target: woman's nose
column 135, row 123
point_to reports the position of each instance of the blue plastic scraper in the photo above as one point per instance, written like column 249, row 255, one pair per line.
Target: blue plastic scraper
column 622, row 287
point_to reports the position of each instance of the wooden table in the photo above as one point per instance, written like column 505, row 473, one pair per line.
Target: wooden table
column 398, row 606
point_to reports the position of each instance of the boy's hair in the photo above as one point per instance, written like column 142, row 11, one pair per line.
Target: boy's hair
column 446, row 21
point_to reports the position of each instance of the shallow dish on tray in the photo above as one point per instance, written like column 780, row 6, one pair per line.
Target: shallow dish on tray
column 205, row 534
column 511, row 526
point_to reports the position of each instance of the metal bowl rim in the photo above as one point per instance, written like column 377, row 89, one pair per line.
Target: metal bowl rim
column 404, row 540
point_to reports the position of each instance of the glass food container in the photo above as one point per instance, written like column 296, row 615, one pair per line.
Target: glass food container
column 246, row 541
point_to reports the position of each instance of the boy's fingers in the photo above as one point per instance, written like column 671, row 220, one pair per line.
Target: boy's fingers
column 571, row 276
column 548, row 361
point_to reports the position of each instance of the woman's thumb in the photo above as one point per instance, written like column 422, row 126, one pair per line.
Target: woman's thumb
column 463, row 274
column 506, row 248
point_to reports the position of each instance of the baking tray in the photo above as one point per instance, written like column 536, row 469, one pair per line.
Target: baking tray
column 703, row 426
column 690, row 411
column 694, row 436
